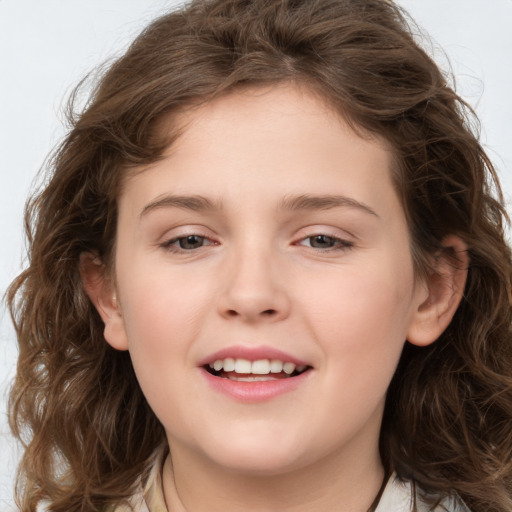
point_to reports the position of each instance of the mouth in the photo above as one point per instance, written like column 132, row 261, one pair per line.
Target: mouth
column 255, row 374
column 260, row 370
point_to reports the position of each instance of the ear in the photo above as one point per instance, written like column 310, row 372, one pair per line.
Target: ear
column 445, row 288
column 101, row 290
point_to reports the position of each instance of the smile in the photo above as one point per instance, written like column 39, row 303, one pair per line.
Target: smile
column 244, row 370
column 254, row 374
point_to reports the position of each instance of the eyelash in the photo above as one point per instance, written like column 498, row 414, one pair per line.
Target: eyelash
column 339, row 243
column 175, row 244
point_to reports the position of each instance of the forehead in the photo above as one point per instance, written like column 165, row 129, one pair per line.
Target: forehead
column 282, row 140
column 280, row 101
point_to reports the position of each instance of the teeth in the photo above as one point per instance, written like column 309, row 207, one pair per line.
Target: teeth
column 259, row 367
column 288, row 368
column 276, row 366
column 228, row 364
column 243, row 366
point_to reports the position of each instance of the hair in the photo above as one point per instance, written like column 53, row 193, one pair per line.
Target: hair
column 88, row 432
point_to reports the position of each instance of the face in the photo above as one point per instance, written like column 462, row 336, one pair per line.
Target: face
column 269, row 244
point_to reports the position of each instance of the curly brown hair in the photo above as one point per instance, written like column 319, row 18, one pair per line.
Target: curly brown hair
column 76, row 404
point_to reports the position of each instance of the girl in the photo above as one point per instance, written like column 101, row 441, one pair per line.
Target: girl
column 268, row 271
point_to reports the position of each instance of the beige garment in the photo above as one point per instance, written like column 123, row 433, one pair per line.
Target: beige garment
column 151, row 497
column 397, row 497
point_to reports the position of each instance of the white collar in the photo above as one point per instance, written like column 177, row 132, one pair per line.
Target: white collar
column 398, row 497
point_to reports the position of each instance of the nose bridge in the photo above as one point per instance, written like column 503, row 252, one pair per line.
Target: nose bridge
column 254, row 288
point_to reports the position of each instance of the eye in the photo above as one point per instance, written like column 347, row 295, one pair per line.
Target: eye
column 187, row 243
column 325, row 242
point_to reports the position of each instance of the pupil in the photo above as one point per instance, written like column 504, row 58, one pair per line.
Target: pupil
column 191, row 242
column 321, row 241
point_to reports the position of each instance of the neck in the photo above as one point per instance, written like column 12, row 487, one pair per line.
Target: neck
column 339, row 481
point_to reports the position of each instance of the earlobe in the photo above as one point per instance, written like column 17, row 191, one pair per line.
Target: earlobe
column 445, row 289
column 101, row 291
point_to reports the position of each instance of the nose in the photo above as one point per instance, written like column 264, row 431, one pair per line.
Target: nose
column 254, row 289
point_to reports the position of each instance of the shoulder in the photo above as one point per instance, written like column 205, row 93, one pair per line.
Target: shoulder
column 398, row 497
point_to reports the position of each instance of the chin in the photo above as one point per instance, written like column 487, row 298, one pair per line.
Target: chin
column 255, row 456
column 259, row 465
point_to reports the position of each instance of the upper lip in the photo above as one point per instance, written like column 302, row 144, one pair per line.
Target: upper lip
column 252, row 354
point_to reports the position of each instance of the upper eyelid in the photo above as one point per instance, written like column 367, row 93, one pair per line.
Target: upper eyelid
column 187, row 230
column 333, row 232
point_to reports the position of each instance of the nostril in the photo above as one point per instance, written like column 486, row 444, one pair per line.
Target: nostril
column 266, row 312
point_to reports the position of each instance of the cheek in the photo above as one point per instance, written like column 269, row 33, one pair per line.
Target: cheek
column 161, row 323
column 162, row 316
column 158, row 304
column 361, row 319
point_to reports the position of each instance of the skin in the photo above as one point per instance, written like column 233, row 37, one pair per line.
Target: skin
column 260, row 276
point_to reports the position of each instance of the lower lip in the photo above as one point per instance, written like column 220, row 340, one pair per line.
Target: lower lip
column 255, row 391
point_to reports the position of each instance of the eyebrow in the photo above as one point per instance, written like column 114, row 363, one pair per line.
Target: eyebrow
column 324, row 202
column 193, row 203
column 199, row 203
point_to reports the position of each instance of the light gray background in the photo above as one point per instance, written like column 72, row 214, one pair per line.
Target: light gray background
column 46, row 46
